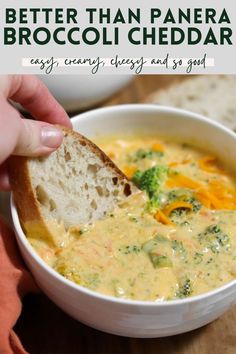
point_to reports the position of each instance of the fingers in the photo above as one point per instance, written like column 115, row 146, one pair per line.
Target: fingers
column 37, row 138
column 25, row 137
column 32, row 94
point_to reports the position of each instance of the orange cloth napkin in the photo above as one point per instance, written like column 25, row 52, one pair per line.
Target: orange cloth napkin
column 15, row 282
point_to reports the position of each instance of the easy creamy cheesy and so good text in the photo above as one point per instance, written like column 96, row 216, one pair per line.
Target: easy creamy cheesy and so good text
column 174, row 239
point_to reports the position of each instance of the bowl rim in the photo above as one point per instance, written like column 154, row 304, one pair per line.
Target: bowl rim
column 112, row 299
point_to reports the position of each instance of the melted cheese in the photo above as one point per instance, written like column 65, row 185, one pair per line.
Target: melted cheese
column 132, row 253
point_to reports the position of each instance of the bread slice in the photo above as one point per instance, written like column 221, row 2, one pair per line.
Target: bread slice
column 213, row 96
column 75, row 185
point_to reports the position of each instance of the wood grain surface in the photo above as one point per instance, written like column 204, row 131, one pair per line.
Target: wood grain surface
column 45, row 329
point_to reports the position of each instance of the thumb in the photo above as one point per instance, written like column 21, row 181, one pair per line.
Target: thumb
column 37, row 138
column 25, row 137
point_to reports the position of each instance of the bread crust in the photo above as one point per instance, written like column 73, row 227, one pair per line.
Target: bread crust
column 24, row 193
column 96, row 150
column 24, row 196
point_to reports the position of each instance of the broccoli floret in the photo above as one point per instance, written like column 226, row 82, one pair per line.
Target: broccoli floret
column 186, row 196
column 141, row 154
column 214, row 238
column 137, row 177
column 198, row 257
column 185, row 288
column 195, row 203
column 178, row 246
column 153, row 204
column 130, row 249
column 150, row 181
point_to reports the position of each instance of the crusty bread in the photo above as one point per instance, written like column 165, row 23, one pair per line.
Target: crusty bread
column 213, row 96
column 75, row 185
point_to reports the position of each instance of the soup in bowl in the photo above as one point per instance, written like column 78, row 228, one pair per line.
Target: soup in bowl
column 158, row 264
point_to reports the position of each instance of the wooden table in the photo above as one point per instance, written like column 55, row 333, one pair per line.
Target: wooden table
column 45, row 329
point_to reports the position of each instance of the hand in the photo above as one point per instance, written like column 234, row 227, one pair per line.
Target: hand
column 23, row 136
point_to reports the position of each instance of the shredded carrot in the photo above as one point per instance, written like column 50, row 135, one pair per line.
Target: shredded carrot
column 211, row 200
column 180, row 180
column 173, row 164
column 161, row 217
column 209, row 164
column 177, row 163
column 158, row 147
column 129, row 171
column 221, row 189
column 208, row 199
column 176, row 205
column 215, row 195
column 225, row 194
column 203, row 199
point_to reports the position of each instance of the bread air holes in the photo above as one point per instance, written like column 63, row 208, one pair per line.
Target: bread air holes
column 99, row 191
column 102, row 191
column 52, row 205
column 93, row 169
column 41, row 195
column 67, row 156
column 115, row 180
column 94, row 204
column 43, row 198
column 127, row 189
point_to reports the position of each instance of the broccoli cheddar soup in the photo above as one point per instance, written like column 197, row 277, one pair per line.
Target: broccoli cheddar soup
column 174, row 239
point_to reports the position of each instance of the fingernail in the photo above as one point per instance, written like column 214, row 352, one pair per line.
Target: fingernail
column 51, row 136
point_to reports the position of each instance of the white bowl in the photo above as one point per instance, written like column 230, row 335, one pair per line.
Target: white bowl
column 127, row 317
column 81, row 91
